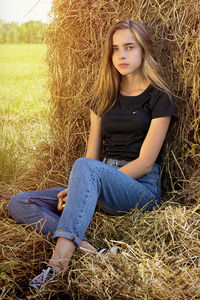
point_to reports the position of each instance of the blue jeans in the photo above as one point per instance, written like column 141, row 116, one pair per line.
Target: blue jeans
column 91, row 183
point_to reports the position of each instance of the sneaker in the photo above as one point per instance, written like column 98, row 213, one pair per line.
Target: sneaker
column 107, row 252
column 38, row 281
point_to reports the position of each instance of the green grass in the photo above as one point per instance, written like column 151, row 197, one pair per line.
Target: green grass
column 23, row 105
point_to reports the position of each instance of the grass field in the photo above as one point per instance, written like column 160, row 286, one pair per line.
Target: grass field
column 23, row 105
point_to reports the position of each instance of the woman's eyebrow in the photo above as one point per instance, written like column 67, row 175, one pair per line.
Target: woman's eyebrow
column 126, row 44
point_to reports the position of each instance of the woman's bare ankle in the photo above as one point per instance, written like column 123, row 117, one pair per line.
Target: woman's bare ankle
column 62, row 254
column 57, row 269
column 87, row 248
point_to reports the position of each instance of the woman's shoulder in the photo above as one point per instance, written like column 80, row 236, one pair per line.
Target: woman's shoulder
column 160, row 95
column 162, row 103
column 158, row 92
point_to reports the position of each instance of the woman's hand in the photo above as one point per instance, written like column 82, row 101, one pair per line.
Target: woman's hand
column 62, row 196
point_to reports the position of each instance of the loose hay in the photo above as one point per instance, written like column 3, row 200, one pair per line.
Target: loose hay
column 159, row 254
column 159, row 258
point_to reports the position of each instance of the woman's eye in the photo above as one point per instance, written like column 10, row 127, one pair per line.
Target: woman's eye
column 130, row 47
column 114, row 49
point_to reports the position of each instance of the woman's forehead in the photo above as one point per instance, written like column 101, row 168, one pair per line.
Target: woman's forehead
column 123, row 36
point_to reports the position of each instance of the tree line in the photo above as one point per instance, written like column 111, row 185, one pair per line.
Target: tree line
column 29, row 32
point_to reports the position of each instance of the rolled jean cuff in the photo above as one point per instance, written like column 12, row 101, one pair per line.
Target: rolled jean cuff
column 67, row 234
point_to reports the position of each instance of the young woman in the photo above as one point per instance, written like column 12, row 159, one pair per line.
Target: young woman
column 130, row 110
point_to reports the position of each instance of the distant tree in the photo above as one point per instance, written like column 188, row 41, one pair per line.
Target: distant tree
column 1, row 32
column 29, row 32
column 13, row 34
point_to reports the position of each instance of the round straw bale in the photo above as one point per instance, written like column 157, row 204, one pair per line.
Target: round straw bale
column 75, row 40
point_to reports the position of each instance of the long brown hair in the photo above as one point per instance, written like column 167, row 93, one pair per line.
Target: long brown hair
column 105, row 90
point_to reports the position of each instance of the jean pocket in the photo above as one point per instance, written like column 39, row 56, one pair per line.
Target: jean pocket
column 151, row 181
column 151, row 177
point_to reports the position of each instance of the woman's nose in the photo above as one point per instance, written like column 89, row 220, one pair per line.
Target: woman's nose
column 122, row 54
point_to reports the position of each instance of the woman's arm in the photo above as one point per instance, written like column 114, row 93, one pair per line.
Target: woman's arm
column 95, row 140
column 150, row 149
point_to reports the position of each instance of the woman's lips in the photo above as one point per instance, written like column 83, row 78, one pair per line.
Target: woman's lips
column 123, row 65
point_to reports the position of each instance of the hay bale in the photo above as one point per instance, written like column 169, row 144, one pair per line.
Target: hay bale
column 159, row 251
column 75, row 42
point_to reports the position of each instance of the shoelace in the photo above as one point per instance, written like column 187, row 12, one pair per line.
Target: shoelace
column 46, row 275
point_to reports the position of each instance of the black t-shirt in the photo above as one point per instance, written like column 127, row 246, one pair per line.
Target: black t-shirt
column 124, row 126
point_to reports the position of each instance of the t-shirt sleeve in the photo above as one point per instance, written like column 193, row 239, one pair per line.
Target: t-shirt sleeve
column 93, row 108
column 163, row 106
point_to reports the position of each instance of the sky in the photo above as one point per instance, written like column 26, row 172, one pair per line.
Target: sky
column 24, row 10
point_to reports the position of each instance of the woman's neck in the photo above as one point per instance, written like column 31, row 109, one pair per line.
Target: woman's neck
column 133, row 86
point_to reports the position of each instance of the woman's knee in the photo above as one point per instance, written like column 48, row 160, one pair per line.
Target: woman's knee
column 16, row 202
column 84, row 163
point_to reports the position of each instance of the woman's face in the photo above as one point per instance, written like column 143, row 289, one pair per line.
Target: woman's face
column 127, row 54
